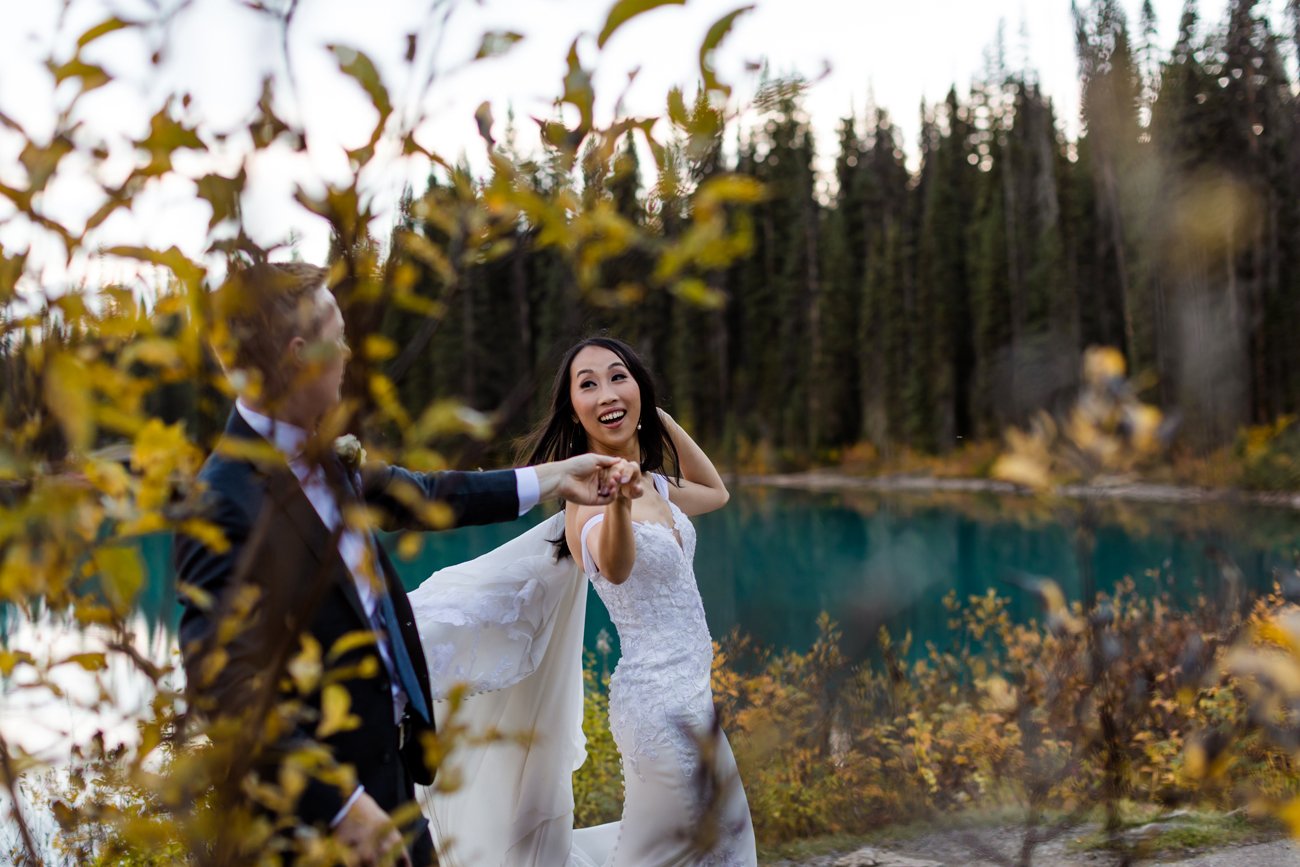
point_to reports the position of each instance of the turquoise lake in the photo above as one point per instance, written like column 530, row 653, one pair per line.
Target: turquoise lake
column 771, row 561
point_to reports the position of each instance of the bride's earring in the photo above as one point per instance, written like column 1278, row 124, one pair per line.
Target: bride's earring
column 638, row 425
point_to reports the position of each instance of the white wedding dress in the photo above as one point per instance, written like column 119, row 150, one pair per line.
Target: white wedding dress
column 509, row 627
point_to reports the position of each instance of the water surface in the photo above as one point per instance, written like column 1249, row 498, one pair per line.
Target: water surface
column 774, row 559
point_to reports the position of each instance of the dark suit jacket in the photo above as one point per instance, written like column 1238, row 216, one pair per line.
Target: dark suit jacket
column 279, row 545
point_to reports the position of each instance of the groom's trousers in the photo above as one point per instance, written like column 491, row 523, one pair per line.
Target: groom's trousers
column 389, row 783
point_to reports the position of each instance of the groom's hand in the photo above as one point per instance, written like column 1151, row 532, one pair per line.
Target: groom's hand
column 370, row 835
column 590, row 480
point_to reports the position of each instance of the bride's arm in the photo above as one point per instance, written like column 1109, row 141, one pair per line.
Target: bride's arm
column 611, row 544
column 701, row 489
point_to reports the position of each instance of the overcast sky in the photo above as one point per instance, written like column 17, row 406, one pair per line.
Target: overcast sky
column 892, row 54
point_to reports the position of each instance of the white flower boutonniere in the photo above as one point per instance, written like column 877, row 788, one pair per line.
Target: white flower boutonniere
column 350, row 452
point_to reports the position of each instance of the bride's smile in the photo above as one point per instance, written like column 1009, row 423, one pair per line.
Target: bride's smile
column 607, row 402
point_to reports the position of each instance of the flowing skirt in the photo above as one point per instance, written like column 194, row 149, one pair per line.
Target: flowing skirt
column 502, row 637
column 676, row 816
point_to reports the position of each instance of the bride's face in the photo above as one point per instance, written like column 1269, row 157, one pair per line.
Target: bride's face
column 607, row 401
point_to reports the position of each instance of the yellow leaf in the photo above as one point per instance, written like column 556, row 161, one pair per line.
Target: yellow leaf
column 206, row 532
column 200, row 597
column 151, row 736
column 349, row 642
column 449, row 780
column 409, row 545
column 342, row 776
column 378, row 348
column 361, row 518
column 121, row 575
column 1281, row 632
column 358, row 66
column 335, row 716
column 1001, row 696
column 88, row 661
column 149, row 522
column 1144, row 425
column 1102, row 364
column 159, row 449
column 695, row 291
column 1289, row 813
column 625, row 10
column 292, row 782
column 305, row 667
column 108, row 476
column 716, row 34
column 423, row 460
column 213, row 664
column 498, row 42
column 91, row 76
column 260, row 452
column 437, row 515
column 1022, row 470
column 16, row 573
column 69, row 397
column 186, row 270
column 88, row 614
column 385, row 394
column 730, row 188
column 103, row 28
column 431, row 255
column 153, row 351
column 9, row 660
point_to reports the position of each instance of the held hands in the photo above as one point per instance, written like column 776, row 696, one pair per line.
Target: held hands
column 370, row 835
column 625, row 479
column 590, row 480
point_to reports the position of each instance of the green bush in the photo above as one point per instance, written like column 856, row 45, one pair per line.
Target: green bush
column 598, row 784
column 1271, row 456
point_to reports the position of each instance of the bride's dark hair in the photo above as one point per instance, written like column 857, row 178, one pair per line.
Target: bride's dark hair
column 562, row 436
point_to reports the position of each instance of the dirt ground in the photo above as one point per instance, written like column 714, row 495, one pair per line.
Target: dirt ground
column 990, row 847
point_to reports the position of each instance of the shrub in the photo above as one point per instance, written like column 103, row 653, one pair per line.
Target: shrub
column 1271, row 454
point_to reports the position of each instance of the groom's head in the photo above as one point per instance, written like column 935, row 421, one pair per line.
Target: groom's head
column 285, row 347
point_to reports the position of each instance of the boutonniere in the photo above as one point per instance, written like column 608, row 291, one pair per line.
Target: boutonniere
column 350, row 452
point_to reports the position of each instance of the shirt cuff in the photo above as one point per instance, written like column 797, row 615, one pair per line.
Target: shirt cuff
column 347, row 805
column 528, row 487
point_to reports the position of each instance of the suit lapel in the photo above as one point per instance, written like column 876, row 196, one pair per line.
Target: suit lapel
column 288, row 497
column 393, row 587
column 405, row 616
column 395, row 590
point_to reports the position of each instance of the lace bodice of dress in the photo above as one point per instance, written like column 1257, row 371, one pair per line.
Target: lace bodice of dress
column 662, row 681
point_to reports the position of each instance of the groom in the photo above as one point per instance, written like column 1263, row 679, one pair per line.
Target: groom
column 295, row 631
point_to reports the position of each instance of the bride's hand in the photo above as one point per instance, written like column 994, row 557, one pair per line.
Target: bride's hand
column 626, row 479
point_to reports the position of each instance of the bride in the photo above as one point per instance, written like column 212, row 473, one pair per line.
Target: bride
column 503, row 638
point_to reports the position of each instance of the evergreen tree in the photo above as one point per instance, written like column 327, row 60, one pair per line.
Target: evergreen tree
column 887, row 286
column 1111, row 95
column 836, row 385
column 944, row 284
column 775, row 299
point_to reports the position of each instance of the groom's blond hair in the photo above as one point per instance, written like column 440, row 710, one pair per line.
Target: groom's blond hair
column 258, row 310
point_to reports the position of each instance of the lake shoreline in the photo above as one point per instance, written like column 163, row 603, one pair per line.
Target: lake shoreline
column 1114, row 488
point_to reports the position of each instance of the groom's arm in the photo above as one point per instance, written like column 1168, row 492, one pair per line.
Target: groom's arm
column 407, row 500
column 205, row 571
